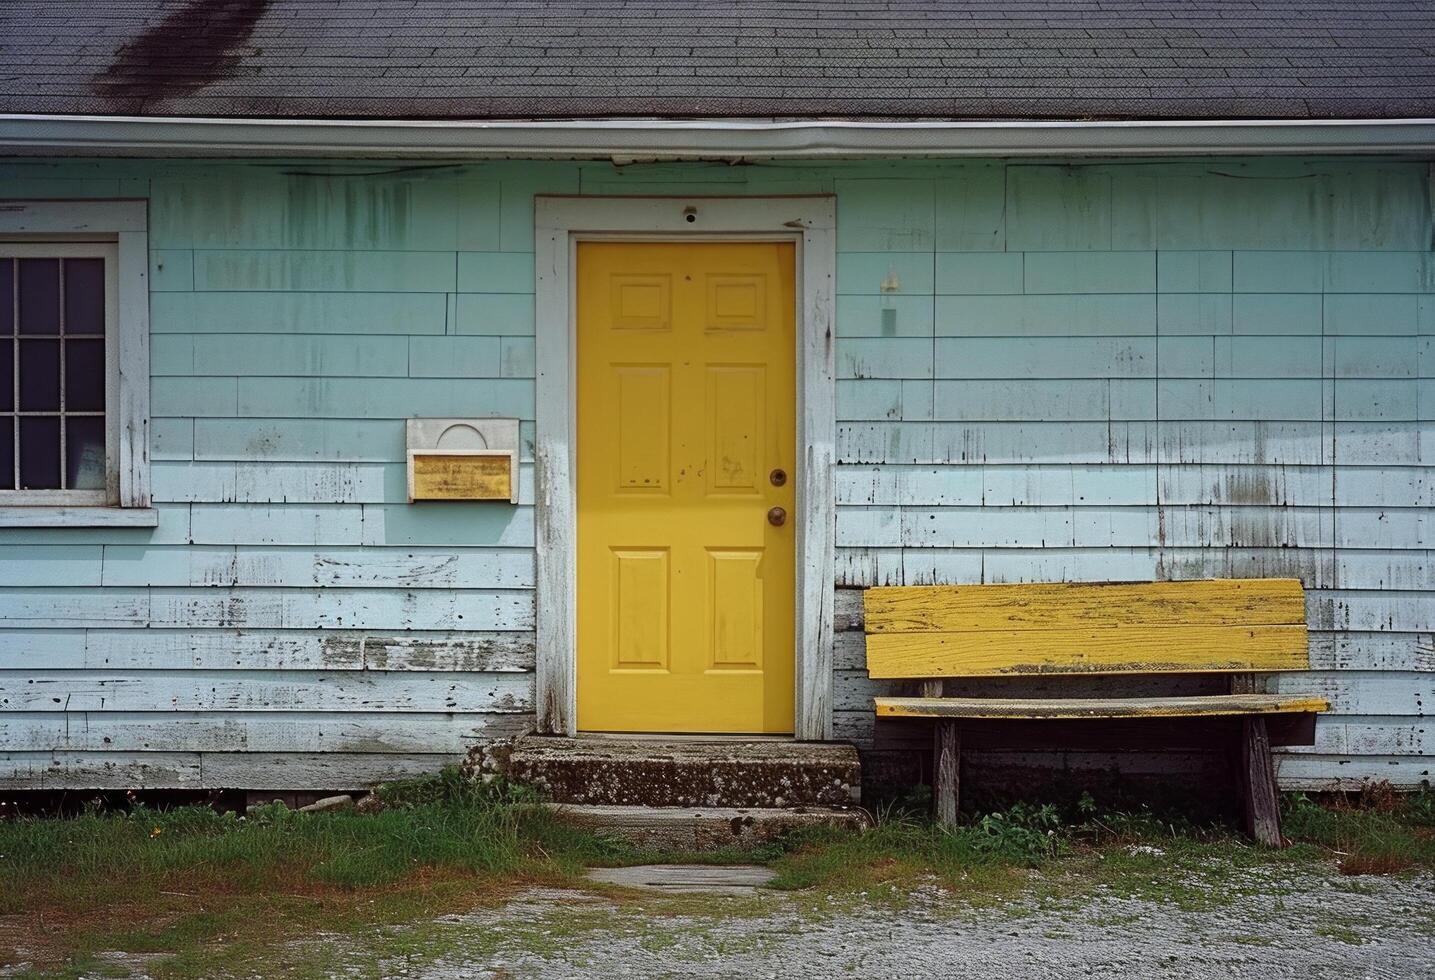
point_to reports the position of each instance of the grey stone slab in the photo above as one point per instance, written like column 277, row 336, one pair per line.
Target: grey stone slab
column 686, row 878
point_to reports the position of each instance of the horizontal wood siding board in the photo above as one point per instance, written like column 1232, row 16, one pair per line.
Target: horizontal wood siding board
column 298, row 731
column 274, row 691
column 268, row 608
column 217, row 770
column 948, row 609
column 1328, row 773
column 100, row 770
column 252, row 649
column 317, row 771
column 300, row 567
column 1117, row 649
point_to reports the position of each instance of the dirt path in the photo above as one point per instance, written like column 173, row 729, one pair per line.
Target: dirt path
column 1305, row 927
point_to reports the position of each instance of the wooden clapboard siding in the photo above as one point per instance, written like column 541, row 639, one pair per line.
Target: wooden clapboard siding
column 199, row 770
column 293, row 621
column 1086, row 372
column 1259, row 413
column 259, row 690
column 252, row 731
column 228, row 648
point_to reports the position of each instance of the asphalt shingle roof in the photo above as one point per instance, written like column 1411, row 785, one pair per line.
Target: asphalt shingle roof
column 993, row 59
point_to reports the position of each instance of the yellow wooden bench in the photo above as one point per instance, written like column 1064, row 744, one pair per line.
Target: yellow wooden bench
column 1240, row 627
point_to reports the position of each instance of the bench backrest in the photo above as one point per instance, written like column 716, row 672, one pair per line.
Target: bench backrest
column 1213, row 626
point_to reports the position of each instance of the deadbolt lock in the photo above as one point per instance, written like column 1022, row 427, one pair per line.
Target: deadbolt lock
column 778, row 477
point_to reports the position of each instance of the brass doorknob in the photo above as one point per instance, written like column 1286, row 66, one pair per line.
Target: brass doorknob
column 777, row 517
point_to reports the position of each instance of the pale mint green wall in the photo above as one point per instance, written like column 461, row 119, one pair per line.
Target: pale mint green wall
column 1086, row 371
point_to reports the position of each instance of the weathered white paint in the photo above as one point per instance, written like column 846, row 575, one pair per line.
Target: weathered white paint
column 228, row 648
column 561, row 223
column 285, row 691
column 625, row 140
column 118, row 232
column 253, row 731
column 1210, row 370
column 197, row 770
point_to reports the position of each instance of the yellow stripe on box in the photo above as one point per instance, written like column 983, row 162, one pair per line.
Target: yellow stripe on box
column 462, row 476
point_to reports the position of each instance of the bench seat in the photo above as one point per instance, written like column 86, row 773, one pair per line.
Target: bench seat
column 945, row 639
column 1066, row 708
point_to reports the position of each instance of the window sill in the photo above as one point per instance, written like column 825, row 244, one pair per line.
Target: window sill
column 78, row 517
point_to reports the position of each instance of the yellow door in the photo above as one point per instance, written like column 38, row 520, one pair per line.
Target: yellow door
column 686, row 417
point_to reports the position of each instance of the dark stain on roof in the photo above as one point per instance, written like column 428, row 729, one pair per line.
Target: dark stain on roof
column 547, row 59
column 191, row 47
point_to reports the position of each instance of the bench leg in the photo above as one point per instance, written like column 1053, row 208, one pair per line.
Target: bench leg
column 1258, row 778
column 946, row 772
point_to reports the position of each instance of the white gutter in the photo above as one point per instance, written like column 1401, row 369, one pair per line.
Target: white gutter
column 670, row 139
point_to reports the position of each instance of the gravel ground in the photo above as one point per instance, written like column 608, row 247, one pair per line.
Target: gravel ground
column 1262, row 924
column 1322, row 926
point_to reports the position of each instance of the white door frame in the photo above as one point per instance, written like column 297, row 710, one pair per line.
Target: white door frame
column 561, row 222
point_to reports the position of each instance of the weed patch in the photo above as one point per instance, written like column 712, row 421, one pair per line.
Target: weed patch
column 1376, row 832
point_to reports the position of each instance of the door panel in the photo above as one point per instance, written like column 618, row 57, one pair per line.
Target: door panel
column 686, row 407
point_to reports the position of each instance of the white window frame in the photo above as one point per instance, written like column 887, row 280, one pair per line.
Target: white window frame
column 561, row 223
column 118, row 232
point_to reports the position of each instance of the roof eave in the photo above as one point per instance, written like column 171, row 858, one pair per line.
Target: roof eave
column 684, row 139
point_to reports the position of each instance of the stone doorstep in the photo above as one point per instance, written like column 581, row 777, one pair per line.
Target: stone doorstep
column 681, row 879
column 706, row 828
column 683, row 772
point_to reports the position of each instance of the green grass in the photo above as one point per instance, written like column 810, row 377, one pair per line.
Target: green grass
column 483, row 832
column 210, row 894
column 1380, row 834
column 180, row 881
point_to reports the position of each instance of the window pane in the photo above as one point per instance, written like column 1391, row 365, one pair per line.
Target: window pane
column 7, row 295
column 7, row 453
column 39, row 375
column 84, row 375
column 7, row 376
column 40, row 453
column 85, row 453
column 39, row 295
column 85, row 296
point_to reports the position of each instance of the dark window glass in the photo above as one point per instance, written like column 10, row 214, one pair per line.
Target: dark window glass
column 39, row 375
column 52, row 354
column 39, row 295
column 40, row 452
column 84, row 375
column 7, row 454
column 7, row 295
column 85, row 452
column 85, row 296
column 7, row 380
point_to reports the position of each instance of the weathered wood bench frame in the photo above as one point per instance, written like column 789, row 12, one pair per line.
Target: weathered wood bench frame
column 1242, row 627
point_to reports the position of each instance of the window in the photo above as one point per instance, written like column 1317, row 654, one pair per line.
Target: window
column 57, row 318
column 74, row 363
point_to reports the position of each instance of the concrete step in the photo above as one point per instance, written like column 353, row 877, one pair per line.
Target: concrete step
column 686, row 772
column 685, row 879
column 706, row 828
